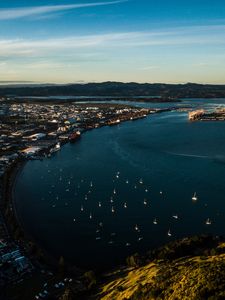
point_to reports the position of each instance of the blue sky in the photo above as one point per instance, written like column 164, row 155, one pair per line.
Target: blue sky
column 134, row 40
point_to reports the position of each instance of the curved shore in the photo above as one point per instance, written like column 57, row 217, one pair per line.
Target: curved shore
column 17, row 229
column 14, row 224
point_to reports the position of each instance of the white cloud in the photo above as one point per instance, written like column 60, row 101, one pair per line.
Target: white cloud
column 202, row 64
column 147, row 68
column 67, row 46
column 23, row 12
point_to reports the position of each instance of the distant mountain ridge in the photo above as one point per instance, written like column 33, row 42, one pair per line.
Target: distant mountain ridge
column 119, row 89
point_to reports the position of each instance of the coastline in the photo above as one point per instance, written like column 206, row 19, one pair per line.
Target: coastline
column 13, row 222
column 14, row 225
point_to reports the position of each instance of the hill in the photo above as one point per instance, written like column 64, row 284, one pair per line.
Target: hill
column 118, row 89
column 198, row 273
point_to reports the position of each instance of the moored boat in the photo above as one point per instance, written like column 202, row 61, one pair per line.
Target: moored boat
column 74, row 136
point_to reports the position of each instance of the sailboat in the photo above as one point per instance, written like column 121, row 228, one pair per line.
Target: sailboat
column 136, row 227
column 194, row 197
column 155, row 222
column 208, row 222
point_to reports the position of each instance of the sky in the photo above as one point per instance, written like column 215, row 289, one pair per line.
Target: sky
column 67, row 41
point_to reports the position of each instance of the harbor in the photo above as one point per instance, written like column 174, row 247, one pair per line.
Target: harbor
column 113, row 197
column 29, row 132
column 119, row 212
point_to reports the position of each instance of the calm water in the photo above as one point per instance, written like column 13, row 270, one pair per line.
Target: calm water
column 66, row 202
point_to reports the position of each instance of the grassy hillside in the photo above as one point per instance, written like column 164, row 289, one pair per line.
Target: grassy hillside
column 166, row 274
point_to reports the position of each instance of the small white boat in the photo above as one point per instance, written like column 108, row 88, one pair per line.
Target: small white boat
column 135, row 187
column 145, row 202
column 113, row 210
column 169, row 233
column 160, row 192
column 194, row 197
column 127, row 244
column 74, row 220
column 127, row 181
column 140, row 239
column 111, row 200
column 82, row 208
column 141, row 181
column 146, row 190
column 114, row 191
column 90, row 216
column 208, row 222
column 99, row 204
column 136, row 228
column 155, row 222
column 86, row 197
column 98, row 238
column 91, row 184
column 125, row 205
column 175, row 217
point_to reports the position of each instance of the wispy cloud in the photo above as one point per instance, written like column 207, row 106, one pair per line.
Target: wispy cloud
column 23, row 12
column 203, row 64
column 191, row 36
column 148, row 68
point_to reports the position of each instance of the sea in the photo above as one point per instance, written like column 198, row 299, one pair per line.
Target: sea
column 127, row 189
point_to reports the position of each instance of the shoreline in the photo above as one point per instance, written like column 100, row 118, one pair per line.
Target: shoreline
column 9, row 202
column 13, row 220
column 25, row 239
